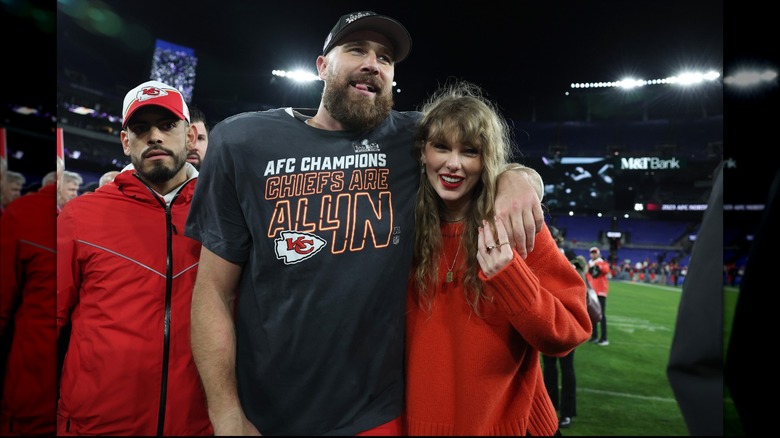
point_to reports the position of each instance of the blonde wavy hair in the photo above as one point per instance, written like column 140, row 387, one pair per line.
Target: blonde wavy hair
column 458, row 111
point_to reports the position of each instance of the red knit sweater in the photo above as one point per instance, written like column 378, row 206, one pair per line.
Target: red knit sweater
column 469, row 375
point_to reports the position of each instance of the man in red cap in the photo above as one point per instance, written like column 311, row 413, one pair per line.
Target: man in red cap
column 598, row 269
column 125, row 273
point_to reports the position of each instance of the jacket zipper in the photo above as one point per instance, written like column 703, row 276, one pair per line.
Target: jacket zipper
column 170, row 230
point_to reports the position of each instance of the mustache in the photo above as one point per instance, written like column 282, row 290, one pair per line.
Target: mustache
column 155, row 149
column 367, row 79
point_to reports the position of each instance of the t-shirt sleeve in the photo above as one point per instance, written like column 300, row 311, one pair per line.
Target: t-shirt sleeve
column 216, row 218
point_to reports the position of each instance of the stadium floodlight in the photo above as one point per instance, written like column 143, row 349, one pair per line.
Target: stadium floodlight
column 303, row 76
column 682, row 79
column 297, row 75
column 629, row 83
column 24, row 110
column 78, row 109
column 751, row 78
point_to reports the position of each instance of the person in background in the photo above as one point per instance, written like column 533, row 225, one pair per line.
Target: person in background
column 597, row 276
column 32, row 187
column 28, row 293
column 306, row 220
column 674, row 270
column 12, row 186
column 88, row 187
column 49, row 178
column 68, row 187
column 561, row 241
column 107, row 177
column 564, row 396
column 104, row 179
column 198, row 152
column 125, row 274
column 478, row 314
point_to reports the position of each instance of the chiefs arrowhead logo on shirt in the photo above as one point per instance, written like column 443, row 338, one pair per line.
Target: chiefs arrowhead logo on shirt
column 294, row 247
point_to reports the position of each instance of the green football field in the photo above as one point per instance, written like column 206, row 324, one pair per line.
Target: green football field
column 622, row 388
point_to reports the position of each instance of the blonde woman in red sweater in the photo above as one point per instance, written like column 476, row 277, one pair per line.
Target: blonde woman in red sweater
column 478, row 314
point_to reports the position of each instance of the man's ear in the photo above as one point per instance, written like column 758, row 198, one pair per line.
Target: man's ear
column 192, row 136
column 322, row 66
column 125, row 142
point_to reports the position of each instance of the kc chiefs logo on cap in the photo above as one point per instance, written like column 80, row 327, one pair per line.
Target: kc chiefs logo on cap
column 154, row 93
column 150, row 93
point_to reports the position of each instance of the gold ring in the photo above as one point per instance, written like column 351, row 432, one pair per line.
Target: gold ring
column 502, row 244
column 489, row 248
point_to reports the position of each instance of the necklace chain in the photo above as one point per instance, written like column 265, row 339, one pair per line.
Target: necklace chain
column 454, row 221
column 450, row 275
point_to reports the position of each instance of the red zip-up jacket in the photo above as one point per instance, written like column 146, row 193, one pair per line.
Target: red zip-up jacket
column 28, row 298
column 125, row 273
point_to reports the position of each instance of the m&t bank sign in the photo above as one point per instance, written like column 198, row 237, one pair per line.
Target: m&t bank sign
column 650, row 163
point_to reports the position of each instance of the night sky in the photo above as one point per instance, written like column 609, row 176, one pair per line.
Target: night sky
column 525, row 54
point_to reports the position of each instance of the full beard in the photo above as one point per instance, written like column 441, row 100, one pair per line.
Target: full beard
column 356, row 112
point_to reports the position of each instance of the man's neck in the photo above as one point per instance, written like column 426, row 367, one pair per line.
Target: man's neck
column 323, row 120
column 184, row 174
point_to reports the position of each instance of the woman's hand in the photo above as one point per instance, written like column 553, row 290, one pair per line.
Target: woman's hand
column 493, row 254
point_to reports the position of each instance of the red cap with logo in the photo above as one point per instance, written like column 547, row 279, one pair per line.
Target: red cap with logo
column 154, row 93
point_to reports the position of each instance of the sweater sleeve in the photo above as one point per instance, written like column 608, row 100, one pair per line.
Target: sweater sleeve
column 544, row 298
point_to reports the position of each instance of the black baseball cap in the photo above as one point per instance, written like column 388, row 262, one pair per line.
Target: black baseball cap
column 368, row 20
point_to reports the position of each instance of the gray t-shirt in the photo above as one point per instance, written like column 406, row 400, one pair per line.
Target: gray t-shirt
column 323, row 224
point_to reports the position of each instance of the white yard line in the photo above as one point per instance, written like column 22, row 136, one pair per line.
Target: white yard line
column 658, row 286
column 622, row 394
